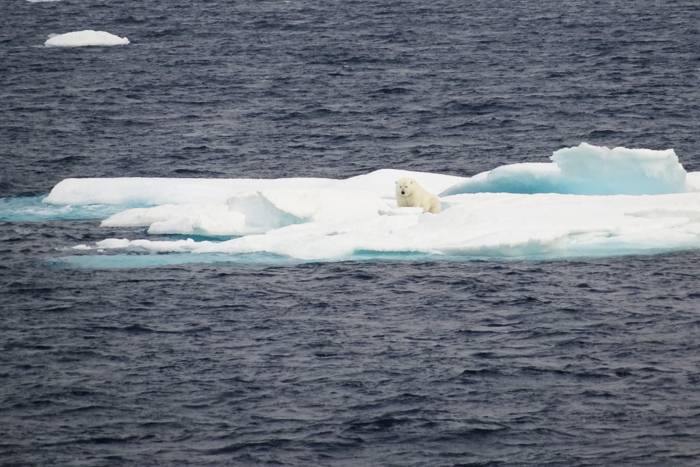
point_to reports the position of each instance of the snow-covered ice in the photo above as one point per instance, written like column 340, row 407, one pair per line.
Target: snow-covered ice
column 85, row 38
column 627, row 201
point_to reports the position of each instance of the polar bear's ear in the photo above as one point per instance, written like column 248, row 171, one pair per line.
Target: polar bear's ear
column 396, row 182
column 411, row 181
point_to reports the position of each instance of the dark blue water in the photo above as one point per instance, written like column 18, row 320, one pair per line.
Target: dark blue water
column 590, row 362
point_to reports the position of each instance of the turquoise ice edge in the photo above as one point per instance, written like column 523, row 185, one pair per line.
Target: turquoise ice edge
column 155, row 260
column 33, row 209
column 139, row 261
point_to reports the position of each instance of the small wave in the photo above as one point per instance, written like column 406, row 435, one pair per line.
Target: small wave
column 252, row 445
column 476, row 107
column 393, row 90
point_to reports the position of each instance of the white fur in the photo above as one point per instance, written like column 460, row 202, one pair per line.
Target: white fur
column 410, row 194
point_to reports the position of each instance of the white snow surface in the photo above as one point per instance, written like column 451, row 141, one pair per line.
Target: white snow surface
column 85, row 38
column 328, row 219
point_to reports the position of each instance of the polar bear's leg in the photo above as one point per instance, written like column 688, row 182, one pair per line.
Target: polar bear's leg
column 435, row 205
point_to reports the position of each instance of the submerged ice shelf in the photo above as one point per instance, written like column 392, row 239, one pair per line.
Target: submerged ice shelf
column 589, row 201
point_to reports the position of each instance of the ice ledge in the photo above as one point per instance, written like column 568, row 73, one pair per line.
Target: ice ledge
column 586, row 170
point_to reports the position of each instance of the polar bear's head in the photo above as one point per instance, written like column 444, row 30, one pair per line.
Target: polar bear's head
column 405, row 187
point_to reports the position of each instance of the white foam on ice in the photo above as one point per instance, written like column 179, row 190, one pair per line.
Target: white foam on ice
column 85, row 38
column 585, row 169
column 326, row 219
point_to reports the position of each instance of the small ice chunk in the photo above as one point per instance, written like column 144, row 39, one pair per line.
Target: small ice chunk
column 85, row 38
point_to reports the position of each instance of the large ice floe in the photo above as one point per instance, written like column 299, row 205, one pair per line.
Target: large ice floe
column 84, row 39
column 589, row 201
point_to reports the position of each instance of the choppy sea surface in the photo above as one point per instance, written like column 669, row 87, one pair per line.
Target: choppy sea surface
column 378, row 362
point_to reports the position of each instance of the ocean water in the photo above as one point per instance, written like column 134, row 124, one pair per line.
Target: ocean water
column 377, row 361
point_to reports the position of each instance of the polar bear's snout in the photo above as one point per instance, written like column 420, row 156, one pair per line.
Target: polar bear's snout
column 404, row 186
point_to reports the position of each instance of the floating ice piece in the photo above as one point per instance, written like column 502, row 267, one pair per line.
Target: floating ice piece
column 585, row 170
column 85, row 38
column 357, row 218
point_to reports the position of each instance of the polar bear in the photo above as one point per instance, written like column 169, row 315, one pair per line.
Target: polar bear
column 410, row 194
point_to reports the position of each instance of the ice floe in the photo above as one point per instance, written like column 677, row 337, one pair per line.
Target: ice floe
column 589, row 201
column 85, row 38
